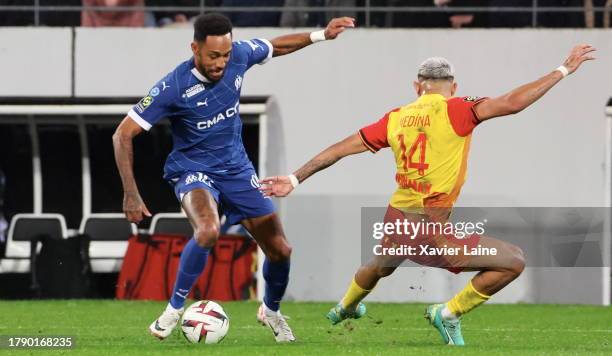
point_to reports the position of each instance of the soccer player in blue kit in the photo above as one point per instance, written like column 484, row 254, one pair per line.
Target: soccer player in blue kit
column 208, row 166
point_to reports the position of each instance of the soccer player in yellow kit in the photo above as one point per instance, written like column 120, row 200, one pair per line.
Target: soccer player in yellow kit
column 430, row 139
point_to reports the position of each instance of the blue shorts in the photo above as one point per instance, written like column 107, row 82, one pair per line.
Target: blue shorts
column 238, row 195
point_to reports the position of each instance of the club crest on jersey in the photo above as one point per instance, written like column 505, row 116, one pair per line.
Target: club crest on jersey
column 193, row 90
column 238, row 82
column 154, row 91
column 471, row 98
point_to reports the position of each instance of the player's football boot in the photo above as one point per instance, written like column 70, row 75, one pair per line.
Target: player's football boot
column 450, row 330
column 163, row 326
column 277, row 323
column 338, row 313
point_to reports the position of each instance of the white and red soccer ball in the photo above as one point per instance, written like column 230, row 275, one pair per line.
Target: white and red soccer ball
column 204, row 321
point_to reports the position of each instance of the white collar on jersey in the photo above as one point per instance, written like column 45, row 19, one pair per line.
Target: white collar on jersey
column 199, row 75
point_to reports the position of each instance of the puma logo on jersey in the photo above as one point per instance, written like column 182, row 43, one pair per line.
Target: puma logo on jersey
column 200, row 103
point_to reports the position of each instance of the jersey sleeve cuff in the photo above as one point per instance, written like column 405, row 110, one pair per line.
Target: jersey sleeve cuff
column 139, row 120
column 368, row 145
column 270, row 50
column 473, row 108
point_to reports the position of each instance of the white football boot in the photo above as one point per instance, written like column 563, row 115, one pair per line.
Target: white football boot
column 277, row 322
column 163, row 326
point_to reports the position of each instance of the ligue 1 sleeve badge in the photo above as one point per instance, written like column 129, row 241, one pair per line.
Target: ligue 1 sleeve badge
column 147, row 100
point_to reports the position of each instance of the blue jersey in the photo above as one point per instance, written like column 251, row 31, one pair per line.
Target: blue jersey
column 204, row 115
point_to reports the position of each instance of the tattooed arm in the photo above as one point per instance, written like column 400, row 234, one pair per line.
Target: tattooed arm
column 133, row 206
column 281, row 186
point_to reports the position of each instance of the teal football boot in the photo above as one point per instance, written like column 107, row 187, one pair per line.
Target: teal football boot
column 338, row 313
column 450, row 330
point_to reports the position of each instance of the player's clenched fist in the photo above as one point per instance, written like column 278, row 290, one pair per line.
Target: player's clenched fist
column 579, row 54
column 279, row 186
column 337, row 26
column 134, row 208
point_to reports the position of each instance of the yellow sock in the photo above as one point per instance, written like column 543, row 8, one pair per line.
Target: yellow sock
column 466, row 300
column 354, row 294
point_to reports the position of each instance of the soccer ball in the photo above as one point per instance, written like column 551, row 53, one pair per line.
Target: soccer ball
column 204, row 321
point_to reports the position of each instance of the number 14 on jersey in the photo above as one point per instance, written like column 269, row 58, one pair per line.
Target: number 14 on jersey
column 420, row 145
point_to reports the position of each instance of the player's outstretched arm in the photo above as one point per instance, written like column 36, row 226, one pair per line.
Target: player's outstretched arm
column 133, row 206
column 290, row 43
column 523, row 96
column 281, row 186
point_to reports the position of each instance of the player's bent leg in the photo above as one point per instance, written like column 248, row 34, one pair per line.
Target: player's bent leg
column 495, row 272
column 201, row 210
column 268, row 232
column 351, row 307
column 495, row 275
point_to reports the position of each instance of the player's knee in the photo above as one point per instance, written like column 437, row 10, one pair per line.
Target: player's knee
column 280, row 252
column 383, row 272
column 207, row 236
column 517, row 261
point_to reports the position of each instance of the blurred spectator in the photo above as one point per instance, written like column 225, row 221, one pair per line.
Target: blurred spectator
column 339, row 3
column 510, row 19
column 296, row 18
column 177, row 18
column 457, row 20
column 589, row 15
column 301, row 19
column 597, row 19
column 314, row 18
column 418, row 19
column 449, row 18
column 377, row 19
column 93, row 18
column 466, row 19
column 254, row 19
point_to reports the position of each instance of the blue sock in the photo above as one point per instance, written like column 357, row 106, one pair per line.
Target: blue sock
column 276, row 275
column 193, row 260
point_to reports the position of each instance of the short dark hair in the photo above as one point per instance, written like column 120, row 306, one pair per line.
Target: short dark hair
column 212, row 24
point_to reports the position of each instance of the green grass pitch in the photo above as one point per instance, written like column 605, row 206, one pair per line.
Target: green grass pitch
column 105, row 327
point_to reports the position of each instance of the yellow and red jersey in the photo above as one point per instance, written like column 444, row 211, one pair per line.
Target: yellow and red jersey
column 430, row 139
